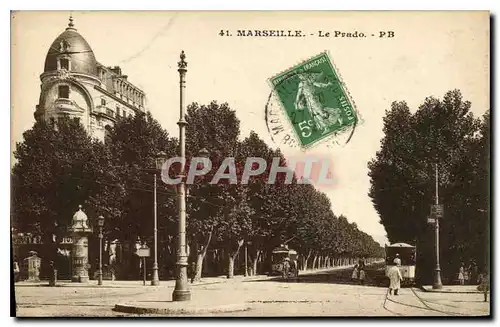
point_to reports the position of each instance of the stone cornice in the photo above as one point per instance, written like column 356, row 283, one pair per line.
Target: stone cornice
column 77, row 76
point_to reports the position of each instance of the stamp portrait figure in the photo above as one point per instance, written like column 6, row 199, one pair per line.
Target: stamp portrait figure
column 310, row 98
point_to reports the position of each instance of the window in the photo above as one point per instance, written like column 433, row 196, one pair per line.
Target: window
column 109, row 112
column 63, row 91
column 103, row 102
column 117, row 112
column 64, row 63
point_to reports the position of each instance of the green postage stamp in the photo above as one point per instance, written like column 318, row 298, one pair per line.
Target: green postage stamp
column 315, row 100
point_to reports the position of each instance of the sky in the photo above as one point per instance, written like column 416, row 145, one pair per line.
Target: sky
column 430, row 53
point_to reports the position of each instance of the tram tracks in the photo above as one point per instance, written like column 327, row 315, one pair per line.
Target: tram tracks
column 426, row 305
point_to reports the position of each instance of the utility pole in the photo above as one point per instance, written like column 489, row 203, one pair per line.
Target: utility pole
column 437, row 271
column 246, row 260
column 155, row 281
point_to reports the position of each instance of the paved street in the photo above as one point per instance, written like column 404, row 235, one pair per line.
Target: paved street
column 327, row 293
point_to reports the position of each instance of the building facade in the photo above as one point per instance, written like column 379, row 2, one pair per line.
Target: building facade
column 75, row 84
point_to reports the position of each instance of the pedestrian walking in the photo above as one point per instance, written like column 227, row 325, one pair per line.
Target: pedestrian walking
column 466, row 276
column 395, row 278
column 469, row 273
column 474, row 274
column 192, row 271
column 286, row 267
column 16, row 271
column 354, row 275
column 484, row 284
column 461, row 272
column 362, row 263
column 362, row 276
column 53, row 273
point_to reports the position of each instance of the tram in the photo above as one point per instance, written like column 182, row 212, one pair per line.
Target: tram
column 278, row 257
column 407, row 254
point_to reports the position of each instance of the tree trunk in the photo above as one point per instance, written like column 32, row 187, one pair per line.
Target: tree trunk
column 232, row 257
column 327, row 262
column 307, row 259
column 253, row 268
column 201, row 256
column 314, row 261
column 230, row 268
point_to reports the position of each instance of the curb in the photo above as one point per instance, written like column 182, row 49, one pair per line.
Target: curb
column 169, row 307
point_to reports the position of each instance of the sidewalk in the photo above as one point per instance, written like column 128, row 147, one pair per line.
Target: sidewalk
column 167, row 283
column 136, row 283
column 459, row 289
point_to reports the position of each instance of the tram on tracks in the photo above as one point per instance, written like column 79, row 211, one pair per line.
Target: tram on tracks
column 279, row 255
column 407, row 254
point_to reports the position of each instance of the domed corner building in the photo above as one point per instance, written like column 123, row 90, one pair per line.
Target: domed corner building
column 74, row 84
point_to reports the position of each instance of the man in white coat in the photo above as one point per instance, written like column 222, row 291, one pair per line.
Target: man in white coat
column 395, row 278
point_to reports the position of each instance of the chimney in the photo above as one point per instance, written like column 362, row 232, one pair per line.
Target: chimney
column 117, row 70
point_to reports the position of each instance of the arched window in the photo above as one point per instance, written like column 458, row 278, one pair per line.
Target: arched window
column 107, row 133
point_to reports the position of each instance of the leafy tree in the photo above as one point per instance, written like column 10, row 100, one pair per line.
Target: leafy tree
column 134, row 143
column 443, row 133
column 57, row 169
column 215, row 128
column 133, row 146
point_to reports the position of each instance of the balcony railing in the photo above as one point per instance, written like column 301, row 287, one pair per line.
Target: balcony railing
column 103, row 110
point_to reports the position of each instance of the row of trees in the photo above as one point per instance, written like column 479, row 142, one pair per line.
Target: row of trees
column 60, row 167
column 442, row 132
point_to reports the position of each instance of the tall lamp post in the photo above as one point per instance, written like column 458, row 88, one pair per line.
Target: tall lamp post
column 181, row 291
column 155, row 280
column 437, row 271
column 100, row 224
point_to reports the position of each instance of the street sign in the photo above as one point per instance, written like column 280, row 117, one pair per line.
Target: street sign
column 431, row 220
column 143, row 252
column 437, row 210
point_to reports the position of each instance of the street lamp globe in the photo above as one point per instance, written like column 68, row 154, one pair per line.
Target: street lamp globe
column 203, row 153
column 160, row 159
column 100, row 221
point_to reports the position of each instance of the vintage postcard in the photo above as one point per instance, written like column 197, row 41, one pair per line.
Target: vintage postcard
column 250, row 164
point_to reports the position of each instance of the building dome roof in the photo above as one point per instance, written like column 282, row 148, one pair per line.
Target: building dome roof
column 79, row 215
column 71, row 43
